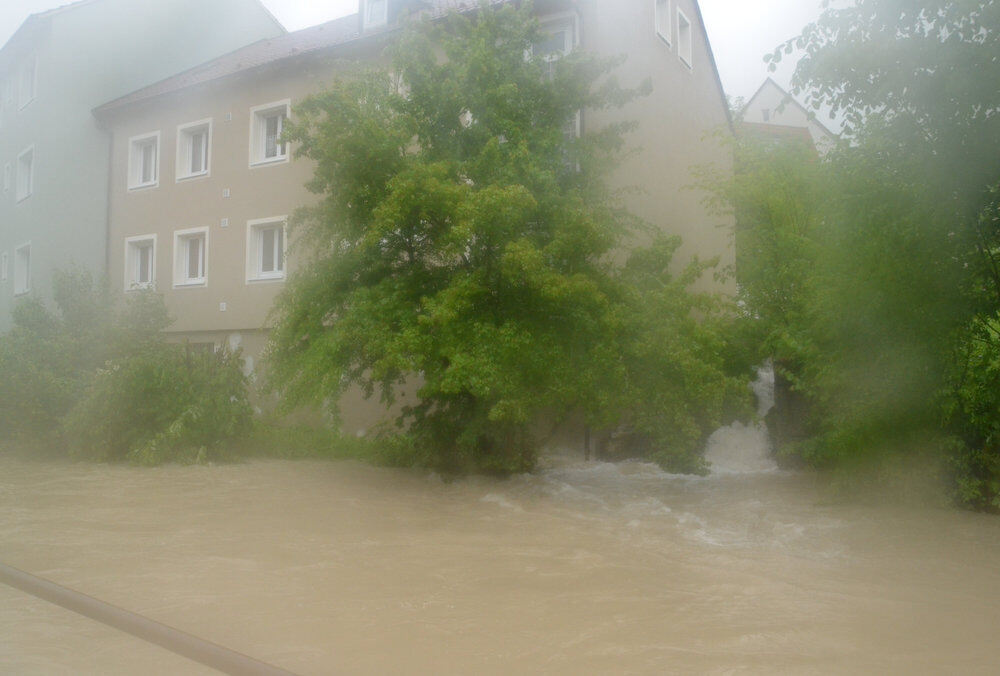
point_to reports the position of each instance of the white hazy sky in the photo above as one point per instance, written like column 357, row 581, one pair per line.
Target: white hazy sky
column 741, row 31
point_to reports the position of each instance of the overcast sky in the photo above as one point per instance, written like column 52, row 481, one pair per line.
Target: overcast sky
column 741, row 31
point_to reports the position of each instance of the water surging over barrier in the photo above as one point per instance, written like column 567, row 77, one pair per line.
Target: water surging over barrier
column 739, row 448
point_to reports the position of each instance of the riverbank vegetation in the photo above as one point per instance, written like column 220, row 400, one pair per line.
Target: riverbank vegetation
column 99, row 381
column 462, row 248
column 872, row 276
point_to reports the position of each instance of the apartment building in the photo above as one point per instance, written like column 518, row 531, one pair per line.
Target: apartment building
column 54, row 158
column 202, row 186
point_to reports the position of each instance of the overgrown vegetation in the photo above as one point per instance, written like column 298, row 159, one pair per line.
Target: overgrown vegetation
column 872, row 276
column 462, row 248
column 101, row 383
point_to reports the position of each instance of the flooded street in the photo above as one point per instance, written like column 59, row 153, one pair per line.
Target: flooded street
column 585, row 567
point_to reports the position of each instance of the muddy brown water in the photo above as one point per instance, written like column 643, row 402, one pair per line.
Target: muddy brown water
column 325, row 567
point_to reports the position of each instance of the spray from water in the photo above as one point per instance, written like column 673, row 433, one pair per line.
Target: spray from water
column 739, row 448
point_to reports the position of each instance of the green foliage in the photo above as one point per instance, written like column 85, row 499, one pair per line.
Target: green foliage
column 973, row 410
column 47, row 357
column 872, row 276
column 100, row 381
column 680, row 374
column 462, row 247
column 162, row 403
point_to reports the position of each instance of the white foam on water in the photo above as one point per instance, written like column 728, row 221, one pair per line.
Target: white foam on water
column 746, row 449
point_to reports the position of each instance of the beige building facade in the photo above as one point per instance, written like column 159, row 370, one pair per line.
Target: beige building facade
column 205, row 226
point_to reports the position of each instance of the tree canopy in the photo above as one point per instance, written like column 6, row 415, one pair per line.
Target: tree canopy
column 873, row 274
column 462, row 247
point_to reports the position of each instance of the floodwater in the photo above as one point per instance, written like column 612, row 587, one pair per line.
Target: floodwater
column 584, row 567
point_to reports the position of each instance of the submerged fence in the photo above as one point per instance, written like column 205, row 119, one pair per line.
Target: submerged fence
column 176, row 641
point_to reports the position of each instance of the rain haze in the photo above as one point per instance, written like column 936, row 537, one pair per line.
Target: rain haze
column 333, row 342
column 741, row 32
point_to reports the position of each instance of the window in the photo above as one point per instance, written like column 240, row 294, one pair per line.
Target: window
column 684, row 45
column 27, row 82
column 22, row 269
column 140, row 262
column 266, row 249
column 191, row 257
column 766, row 114
column 144, row 161
column 558, row 39
column 266, row 124
column 376, row 13
column 6, row 177
column 662, row 19
column 3, row 267
column 194, row 144
column 25, row 174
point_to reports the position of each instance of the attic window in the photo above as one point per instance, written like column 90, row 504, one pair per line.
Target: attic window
column 766, row 113
column 376, row 13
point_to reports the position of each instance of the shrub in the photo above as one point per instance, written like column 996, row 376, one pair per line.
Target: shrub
column 48, row 357
column 162, row 403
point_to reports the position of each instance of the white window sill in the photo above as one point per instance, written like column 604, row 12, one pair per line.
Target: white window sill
column 22, row 106
column 269, row 161
column 266, row 278
column 188, row 177
column 136, row 286
column 22, row 293
column 191, row 283
column 143, row 186
column 21, row 199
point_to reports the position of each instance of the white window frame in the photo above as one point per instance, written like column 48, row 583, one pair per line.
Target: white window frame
column 181, row 257
column 661, row 20
column 373, row 21
column 132, row 246
column 22, row 100
column 254, row 250
column 560, row 19
column 184, row 148
column 134, row 162
column 22, row 286
column 26, row 189
column 685, row 38
column 257, row 142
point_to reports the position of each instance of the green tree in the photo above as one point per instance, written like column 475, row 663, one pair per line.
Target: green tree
column 902, row 280
column 463, row 244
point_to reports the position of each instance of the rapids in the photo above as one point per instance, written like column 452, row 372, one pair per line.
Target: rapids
column 583, row 567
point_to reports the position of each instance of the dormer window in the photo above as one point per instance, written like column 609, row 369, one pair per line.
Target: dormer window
column 376, row 13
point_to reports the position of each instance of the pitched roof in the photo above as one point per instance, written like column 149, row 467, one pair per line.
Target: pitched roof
column 256, row 54
column 45, row 14
column 788, row 98
column 309, row 40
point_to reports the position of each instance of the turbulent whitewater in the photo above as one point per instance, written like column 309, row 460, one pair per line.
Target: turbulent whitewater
column 584, row 567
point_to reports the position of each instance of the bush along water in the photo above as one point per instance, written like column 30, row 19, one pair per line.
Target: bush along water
column 102, row 382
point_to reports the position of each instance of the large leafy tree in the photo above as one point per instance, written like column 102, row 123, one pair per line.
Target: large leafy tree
column 903, row 287
column 462, row 246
